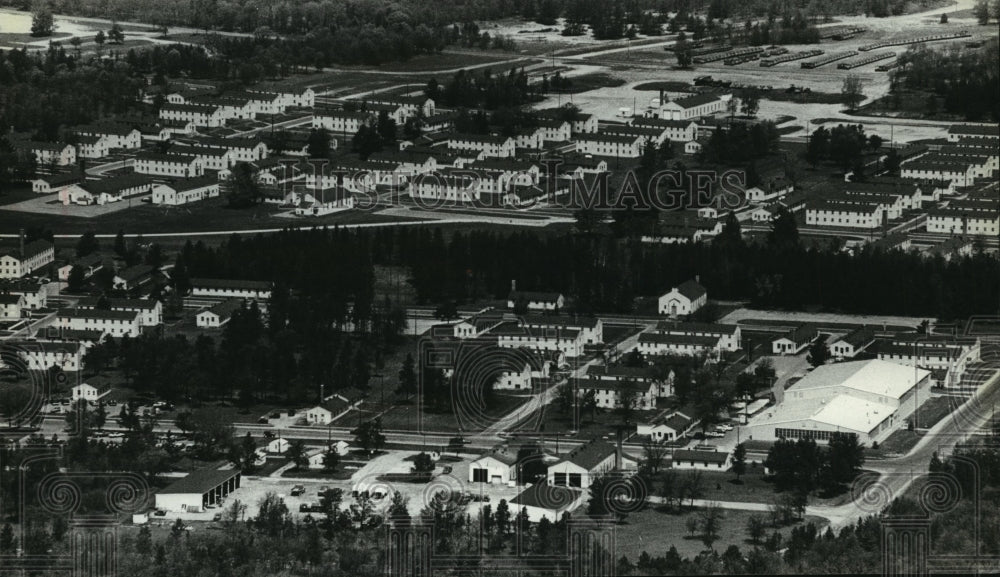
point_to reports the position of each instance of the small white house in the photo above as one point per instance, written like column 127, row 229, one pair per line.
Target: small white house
column 88, row 392
column 702, row 460
column 277, row 446
column 670, row 428
column 219, row 314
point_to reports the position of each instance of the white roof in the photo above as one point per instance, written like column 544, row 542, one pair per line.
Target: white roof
column 852, row 413
column 875, row 376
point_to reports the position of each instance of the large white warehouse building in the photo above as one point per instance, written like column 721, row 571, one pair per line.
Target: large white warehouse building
column 869, row 398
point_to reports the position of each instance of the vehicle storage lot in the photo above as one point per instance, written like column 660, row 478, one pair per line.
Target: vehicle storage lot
column 253, row 489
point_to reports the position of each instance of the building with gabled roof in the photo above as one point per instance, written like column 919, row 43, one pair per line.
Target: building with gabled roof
column 582, row 465
column 795, row 340
column 55, row 182
column 114, row 323
column 731, row 335
column 17, row 262
column 695, row 459
column 666, row 428
column 683, row 299
column 591, row 327
column 499, row 466
column 151, row 310
column 848, row 346
column 133, row 277
column 541, row 501
column 611, row 393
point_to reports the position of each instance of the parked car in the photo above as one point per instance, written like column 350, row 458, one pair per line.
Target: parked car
column 160, row 513
column 298, row 490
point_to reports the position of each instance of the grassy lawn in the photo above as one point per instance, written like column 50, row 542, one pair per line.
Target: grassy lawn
column 602, row 423
column 901, row 441
column 655, row 532
column 446, row 61
column 271, row 465
column 587, row 82
column 407, row 417
column 723, row 487
column 18, row 38
column 898, row 443
column 936, row 408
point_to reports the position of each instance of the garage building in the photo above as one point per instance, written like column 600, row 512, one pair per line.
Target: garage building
column 198, row 490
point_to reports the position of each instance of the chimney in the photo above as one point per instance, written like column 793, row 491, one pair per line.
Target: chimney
column 21, row 237
column 697, row 278
column 618, row 451
column 661, row 97
column 513, row 285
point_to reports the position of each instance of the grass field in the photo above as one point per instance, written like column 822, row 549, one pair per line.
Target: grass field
column 448, row 60
column 15, row 38
column 655, row 532
column 409, row 418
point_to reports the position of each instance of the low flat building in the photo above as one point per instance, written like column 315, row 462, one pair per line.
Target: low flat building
column 868, row 398
column 687, row 459
column 848, row 346
column 219, row 314
column 547, row 502
column 215, row 287
column 795, row 340
column 150, row 310
column 198, row 490
column 114, row 323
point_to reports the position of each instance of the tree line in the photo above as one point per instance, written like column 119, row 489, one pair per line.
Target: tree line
column 601, row 273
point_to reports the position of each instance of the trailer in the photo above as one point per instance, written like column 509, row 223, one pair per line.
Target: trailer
column 828, row 59
column 839, row 32
column 769, row 62
column 917, row 40
column 715, row 57
column 875, row 57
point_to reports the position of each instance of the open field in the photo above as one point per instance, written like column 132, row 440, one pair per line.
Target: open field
column 655, row 532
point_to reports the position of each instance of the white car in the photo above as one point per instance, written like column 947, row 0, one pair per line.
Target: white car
column 714, row 434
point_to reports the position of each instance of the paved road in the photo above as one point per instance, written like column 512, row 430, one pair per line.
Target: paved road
column 896, row 475
column 100, row 169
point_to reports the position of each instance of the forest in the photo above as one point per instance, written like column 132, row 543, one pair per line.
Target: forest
column 965, row 81
column 602, row 273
